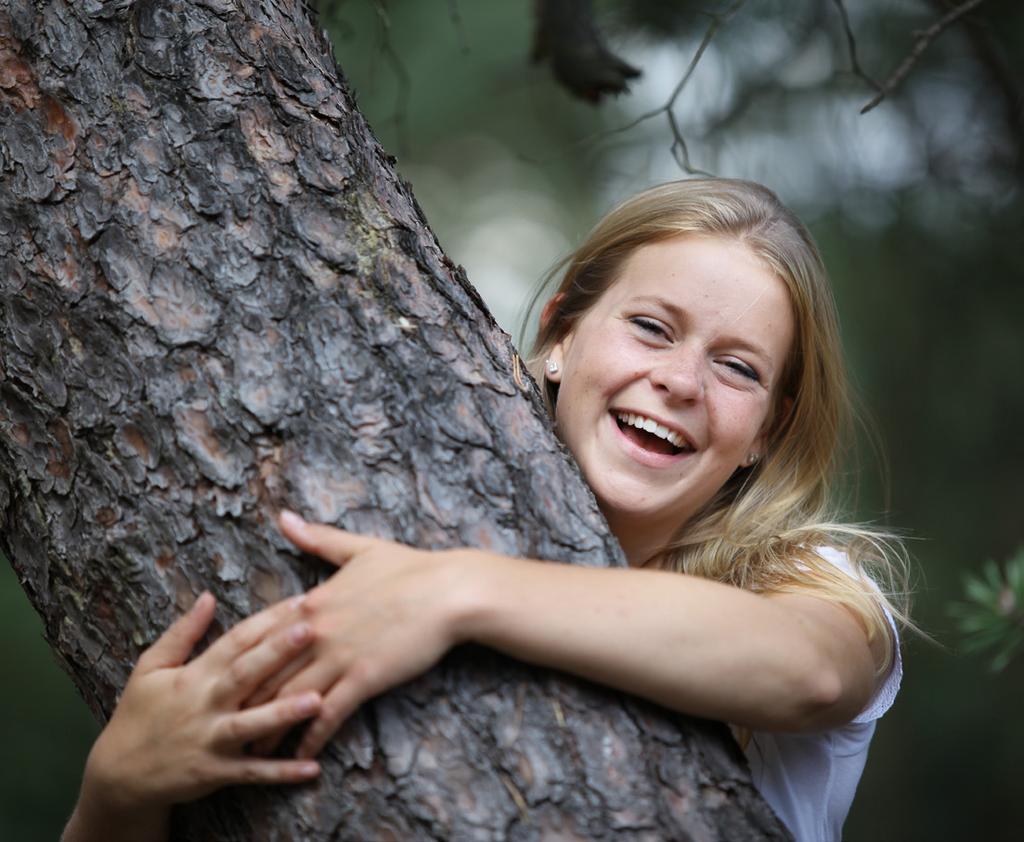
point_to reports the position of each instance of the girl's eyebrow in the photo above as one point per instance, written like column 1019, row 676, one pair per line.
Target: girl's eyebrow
column 679, row 314
column 673, row 310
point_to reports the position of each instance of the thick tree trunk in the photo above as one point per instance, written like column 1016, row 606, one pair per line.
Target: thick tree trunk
column 218, row 299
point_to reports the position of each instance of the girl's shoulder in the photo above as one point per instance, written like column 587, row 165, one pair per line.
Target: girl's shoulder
column 885, row 695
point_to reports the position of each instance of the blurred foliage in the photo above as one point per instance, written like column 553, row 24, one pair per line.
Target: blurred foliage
column 917, row 206
column 992, row 619
column 45, row 728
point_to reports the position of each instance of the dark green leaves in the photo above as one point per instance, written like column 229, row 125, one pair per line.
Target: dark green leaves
column 992, row 618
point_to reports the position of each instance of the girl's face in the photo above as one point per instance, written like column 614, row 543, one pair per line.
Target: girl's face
column 691, row 337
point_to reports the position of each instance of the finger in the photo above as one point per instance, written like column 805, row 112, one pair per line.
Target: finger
column 334, row 545
column 237, row 729
column 338, row 705
column 270, row 687
column 254, row 770
column 173, row 647
column 320, row 676
column 254, row 666
column 250, row 632
column 265, row 746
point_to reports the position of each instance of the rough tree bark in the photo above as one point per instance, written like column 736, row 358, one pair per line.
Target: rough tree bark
column 218, row 298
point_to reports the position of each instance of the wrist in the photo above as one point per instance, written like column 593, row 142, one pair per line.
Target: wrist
column 99, row 819
column 108, row 810
column 472, row 582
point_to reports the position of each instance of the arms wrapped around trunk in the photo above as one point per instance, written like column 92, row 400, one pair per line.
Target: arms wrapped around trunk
column 217, row 299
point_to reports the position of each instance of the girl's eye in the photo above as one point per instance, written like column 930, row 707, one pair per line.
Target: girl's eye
column 744, row 369
column 649, row 326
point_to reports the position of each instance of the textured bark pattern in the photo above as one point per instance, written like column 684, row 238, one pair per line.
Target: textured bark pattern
column 218, row 299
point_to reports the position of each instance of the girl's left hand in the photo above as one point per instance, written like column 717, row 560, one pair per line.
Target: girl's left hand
column 387, row 616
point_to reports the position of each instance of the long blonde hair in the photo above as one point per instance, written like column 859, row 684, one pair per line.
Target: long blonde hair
column 761, row 530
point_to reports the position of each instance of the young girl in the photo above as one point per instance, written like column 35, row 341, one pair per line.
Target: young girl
column 692, row 364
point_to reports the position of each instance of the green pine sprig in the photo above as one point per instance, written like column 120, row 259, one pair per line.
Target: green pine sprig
column 992, row 618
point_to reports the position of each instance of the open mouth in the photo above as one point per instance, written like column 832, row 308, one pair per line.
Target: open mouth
column 650, row 435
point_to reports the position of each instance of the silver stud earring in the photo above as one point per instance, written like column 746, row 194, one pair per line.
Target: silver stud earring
column 552, row 366
column 752, row 459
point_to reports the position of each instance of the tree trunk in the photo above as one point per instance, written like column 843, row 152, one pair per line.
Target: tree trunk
column 218, row 299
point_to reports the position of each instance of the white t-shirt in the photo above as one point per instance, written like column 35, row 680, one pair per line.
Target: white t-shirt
column 810, row 779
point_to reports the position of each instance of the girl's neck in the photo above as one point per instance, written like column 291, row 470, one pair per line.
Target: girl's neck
column 640, row 543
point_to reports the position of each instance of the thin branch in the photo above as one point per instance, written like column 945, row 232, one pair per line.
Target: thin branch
column 679, row 148
column 460, row 31
column 401, row 76
column 924, row 40
column 713, row 27
column 766, row 80
column 851, row 42
column 989, row 56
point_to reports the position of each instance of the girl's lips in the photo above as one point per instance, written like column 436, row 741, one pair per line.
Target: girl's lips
column 648, row 458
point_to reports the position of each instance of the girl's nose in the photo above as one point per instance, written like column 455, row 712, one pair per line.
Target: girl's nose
column 680, row 377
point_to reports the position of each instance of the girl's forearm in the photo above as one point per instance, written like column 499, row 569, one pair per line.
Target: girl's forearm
column 693, row 645
column 81, row 829
column 95, row 819
column 179, row 730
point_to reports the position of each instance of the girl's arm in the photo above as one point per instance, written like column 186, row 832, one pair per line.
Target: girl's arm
column 178, row 731
column 787, row 662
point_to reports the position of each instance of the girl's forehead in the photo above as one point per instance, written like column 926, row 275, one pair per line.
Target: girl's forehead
column 694, row 270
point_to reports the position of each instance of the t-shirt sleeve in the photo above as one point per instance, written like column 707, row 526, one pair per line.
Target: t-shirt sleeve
column 885, row 695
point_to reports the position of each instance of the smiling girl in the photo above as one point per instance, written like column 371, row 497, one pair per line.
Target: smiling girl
column 691, row 361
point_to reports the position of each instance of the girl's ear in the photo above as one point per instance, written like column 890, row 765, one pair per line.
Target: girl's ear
column 555, row 359
column 550, row 309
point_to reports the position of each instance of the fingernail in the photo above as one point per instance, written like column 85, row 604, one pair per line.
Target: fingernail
column 289, row 518
column 298, row 634
column 307, row 704
column 310, row 767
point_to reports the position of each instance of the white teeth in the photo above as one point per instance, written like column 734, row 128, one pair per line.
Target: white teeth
column 651, row 426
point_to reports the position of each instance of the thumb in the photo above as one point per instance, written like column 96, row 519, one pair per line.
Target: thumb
column 173, row 647
column 334, row 545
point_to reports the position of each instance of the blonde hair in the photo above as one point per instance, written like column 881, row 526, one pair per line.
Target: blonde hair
column 760, row 531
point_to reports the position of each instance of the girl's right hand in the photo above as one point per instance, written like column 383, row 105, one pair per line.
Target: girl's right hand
column 179, row 733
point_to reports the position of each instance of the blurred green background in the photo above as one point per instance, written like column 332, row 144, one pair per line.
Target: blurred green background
column 918, row 208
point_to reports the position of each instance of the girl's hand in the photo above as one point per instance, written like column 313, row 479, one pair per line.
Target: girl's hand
column 179, row 732
column 387, row 616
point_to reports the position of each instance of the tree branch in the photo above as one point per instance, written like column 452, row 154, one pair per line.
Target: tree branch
column 766, row 80
column 402, row 78
column 851, row 42
column 567, row 34
column 460, row 31
column 678, row 149
column 924, row 40
column 988, row 55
